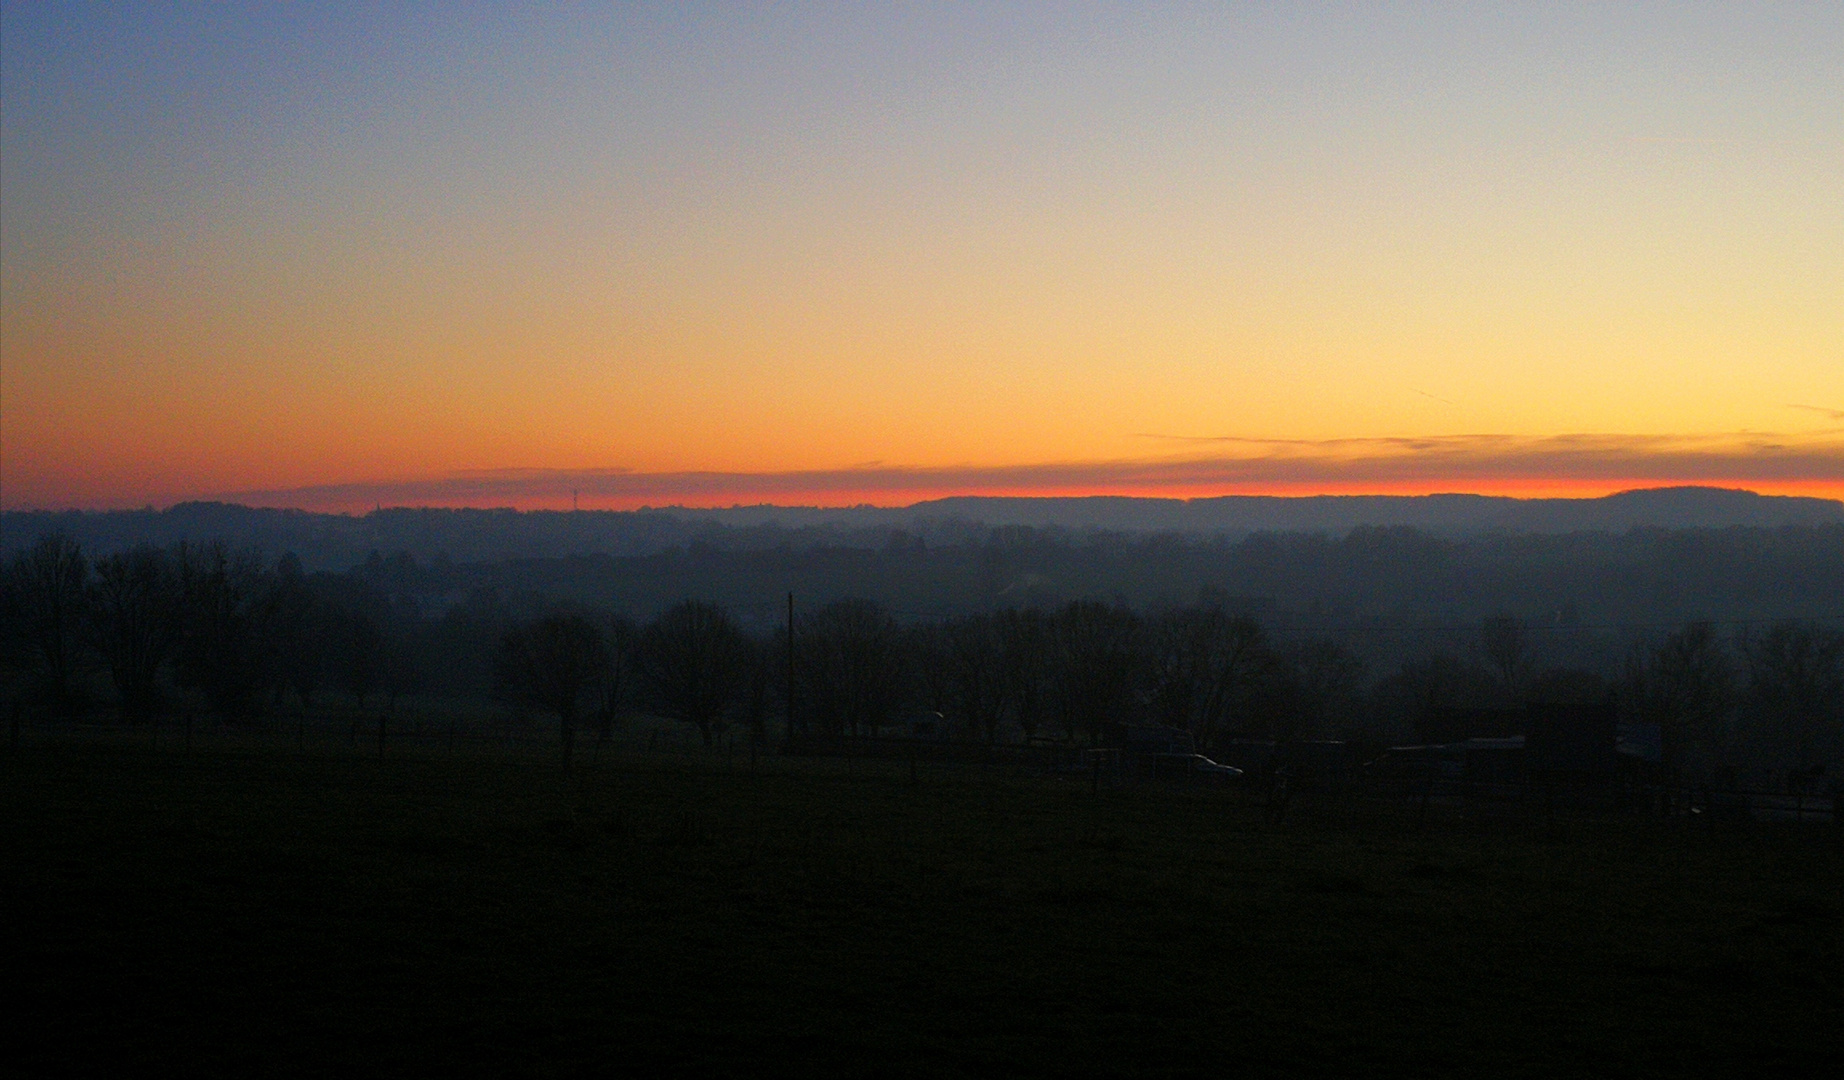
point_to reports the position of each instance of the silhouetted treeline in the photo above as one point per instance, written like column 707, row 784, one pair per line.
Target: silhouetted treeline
column 643, row 562
column 204, row 628
column 200, row 625
column 341, row 541
column 1370, row 578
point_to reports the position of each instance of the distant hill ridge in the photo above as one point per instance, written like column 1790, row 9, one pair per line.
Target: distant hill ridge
column 336, row 541
column 1672, row 508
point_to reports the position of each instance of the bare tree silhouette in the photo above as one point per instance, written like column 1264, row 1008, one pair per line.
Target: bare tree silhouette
column 1024, row 665
column 552, row 664
column 1687, row 687
column 1202, row 666
column 138, row 614
column 693, row 660
column 45, row 590
column 851, row 662
column 1506, row 642
column 615, row 690
column 976, row 686
column 1795, row 694
column 226, row 652
column 1095, row 664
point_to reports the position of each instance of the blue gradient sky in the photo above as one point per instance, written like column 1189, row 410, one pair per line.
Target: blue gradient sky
column 1187, row 249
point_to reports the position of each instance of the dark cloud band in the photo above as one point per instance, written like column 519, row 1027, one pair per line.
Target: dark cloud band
column 1478, row 459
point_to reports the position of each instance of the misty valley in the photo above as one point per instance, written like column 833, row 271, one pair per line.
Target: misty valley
column 1033, row 801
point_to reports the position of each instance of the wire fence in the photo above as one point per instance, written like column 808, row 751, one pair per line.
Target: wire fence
column 1273, row 794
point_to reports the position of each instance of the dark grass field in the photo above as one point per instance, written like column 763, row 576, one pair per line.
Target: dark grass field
column 261, row 911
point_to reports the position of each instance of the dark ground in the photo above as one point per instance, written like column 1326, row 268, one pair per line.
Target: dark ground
column 262, row 911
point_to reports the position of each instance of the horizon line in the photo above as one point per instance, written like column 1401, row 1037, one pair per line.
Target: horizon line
column 1568, row 465
column 233, row 501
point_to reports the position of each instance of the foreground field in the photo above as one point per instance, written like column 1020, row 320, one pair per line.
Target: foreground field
column 266, row 911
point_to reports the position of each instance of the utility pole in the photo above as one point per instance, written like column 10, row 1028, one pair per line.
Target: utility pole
column 790, row 667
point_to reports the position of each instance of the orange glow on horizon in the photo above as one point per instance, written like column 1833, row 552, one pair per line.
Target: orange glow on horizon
column 755, row 257
column 887, row 499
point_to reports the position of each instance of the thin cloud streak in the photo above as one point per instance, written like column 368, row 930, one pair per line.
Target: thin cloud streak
column 1452, row 462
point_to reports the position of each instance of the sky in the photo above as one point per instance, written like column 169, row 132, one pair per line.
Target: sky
column 339, row 256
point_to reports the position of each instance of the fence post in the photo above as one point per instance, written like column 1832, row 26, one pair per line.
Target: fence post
column 1280, row 792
